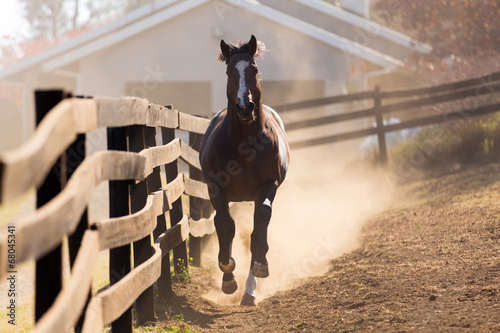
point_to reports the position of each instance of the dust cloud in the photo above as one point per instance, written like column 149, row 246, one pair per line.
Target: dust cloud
column 318, row 214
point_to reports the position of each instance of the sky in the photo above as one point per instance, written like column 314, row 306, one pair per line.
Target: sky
column 11, row 20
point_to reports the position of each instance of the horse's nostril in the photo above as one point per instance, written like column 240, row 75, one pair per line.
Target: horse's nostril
column 251, row 107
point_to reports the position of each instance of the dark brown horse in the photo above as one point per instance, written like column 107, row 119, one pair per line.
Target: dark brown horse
column 244, row 157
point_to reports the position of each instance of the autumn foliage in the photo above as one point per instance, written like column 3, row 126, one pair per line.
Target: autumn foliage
column 461, row 32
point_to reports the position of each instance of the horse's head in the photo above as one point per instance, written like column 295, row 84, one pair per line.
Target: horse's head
column 243, row 88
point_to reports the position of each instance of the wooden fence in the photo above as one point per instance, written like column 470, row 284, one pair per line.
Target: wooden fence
column 480, row 88
column 54, row 162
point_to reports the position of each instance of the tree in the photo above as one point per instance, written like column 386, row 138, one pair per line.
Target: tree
column 462, row 33
column 47, row 18
column 53, row 21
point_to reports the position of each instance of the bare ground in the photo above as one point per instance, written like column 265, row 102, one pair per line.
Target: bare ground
column 431, row 263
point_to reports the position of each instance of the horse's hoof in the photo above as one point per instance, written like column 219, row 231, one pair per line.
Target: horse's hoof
column 248, row 300
column 229, row 268
column 260, row 270
column 229, row 287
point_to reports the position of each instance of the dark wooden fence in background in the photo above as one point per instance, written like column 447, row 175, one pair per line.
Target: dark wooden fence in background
column 54, row 162
column 480, row 88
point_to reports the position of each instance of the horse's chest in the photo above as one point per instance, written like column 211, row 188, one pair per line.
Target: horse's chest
column 248, row 174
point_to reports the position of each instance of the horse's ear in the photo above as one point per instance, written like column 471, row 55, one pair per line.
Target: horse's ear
column 225, row 52
column 252, row 46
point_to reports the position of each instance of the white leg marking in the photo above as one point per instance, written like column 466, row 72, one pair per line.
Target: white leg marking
column 241, row 66
column 267, row 202
column 251, row 284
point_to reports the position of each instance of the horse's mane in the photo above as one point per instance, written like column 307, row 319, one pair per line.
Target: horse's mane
column 242, row 47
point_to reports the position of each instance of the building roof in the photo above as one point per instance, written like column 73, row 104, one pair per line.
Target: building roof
column 160, row 11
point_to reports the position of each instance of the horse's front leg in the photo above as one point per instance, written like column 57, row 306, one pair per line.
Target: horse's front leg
column 258, row 246
column 224, row 225
column 262, row 216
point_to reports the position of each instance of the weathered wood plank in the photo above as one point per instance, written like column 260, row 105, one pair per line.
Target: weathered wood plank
column 190, row 155
column 119, row 231
column 196, row 188
column 112, row 302
column 191, row 123
column 174, row 190
column 93, row 316
column 478, row 82
column 406, row 106
column 324, row 101
column 160, row 155
column 65, row 312
column 290, row 126
column 41, row 230
column 202, row 227
column 122, row 294
column 160, row 116
column 28, row 165
column 173, row 236
column 122, row 112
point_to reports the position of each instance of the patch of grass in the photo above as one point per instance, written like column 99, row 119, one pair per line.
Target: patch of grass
column 183, row 271
column 100, row 277
column 25, row 316
column 176, row 324
column 14, row 208
column 460, row 141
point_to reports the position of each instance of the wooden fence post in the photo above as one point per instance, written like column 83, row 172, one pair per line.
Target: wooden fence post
column 75, row 154
column 197, row 206
column 142, row 248
column 176, row 213
column 48, row 271
column 164, row 282
column 379, row 118
column 119, row 258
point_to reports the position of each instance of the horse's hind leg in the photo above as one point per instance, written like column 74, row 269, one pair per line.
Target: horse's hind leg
column 224, row 225
column 259, row 245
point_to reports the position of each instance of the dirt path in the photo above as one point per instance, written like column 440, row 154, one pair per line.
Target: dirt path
column 431, row 263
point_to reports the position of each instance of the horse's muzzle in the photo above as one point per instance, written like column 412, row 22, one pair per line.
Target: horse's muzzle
column 246, row 112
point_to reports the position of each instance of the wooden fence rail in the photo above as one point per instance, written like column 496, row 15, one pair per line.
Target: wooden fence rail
column 132, row 166
column 480, row 88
